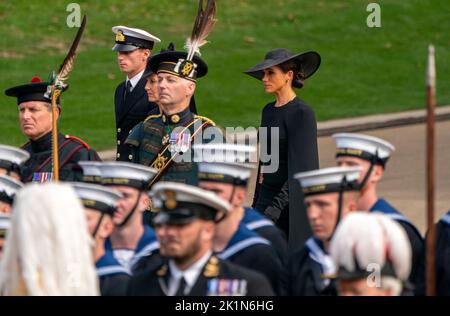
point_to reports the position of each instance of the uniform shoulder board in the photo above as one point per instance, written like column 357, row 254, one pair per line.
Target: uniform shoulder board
column 153, row 116
column 207, row 120
column 82, row 142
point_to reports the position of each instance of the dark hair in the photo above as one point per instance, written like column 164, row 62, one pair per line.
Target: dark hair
column 297, row 80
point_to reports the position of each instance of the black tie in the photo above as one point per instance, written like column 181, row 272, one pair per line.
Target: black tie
column 127, row 90
column 181, row 287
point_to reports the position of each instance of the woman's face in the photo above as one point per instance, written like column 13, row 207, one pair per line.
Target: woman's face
column 151, row 87
column 275, row 79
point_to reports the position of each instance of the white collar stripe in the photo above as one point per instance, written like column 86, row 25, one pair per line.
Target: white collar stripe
column 242, row 245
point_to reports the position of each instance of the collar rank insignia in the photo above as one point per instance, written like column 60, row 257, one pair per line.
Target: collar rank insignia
column 120, row 37
column 162, row 271
column 212, row 268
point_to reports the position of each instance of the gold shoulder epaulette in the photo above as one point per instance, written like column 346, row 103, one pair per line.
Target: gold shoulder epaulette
column 153, row 116
column 204, row 118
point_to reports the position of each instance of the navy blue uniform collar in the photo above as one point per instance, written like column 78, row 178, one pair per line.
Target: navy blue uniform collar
column 254, row 220
column 146, row 245
column 107, row 265
column 242, row 239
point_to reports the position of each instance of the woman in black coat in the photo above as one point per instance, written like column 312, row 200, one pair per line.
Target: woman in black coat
column 277, row 194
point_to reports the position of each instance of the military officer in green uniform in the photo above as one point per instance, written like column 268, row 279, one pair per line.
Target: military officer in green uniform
column 35, row 117
column 164, row 141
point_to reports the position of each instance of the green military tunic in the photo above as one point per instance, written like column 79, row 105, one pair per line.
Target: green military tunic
column 174, row 133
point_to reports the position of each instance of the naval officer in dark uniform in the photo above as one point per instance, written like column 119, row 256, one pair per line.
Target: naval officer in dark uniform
column 133, row 47
column 185, row 226
column 35, row 117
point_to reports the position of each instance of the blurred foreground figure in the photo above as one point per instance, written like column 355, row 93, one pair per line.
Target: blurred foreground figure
column 372, row 254
column 47, row 249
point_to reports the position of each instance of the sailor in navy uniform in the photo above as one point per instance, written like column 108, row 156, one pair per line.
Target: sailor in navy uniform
column 133, row 47
column 100, row 204
column 226, row 169
column 372, row 154
column 443, row 255
column 330, row 194
column 35, row 117
column 131, row 239
column 8, row 189
column 5, row 224
column 372, row 255
column 233, row 240
column 11, row 160
column 185, row 224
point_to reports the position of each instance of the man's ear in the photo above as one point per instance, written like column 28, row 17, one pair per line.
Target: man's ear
column 145, row 199
column 107, row 227
column 240, row 194
column 147, row 53
column 190, row 89
column 377, row 173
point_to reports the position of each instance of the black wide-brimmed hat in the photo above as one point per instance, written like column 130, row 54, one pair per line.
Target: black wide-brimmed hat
column 176, row 63
column 34, row 91
column 308, row 62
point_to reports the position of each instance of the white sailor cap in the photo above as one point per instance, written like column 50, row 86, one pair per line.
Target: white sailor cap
column 5, row 224
column 226, row 163
column 91, row 171
column 97, row 197
column 363, row 239
column 11, row 158
column 178, row 203
column 127, row 174
column 129, row 39
column 363, row 146
column 334, row 179
column 8, row 188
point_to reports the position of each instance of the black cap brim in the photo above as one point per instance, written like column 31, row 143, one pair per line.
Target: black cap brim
column 124, row 48
column 30, row 92
column 173, row 218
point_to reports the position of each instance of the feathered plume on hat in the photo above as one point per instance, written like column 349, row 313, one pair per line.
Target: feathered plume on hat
column 204, row 23
column 188, row 64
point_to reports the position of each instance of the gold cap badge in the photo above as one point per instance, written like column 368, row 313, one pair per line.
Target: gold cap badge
column 120, row 37
column 170, row 203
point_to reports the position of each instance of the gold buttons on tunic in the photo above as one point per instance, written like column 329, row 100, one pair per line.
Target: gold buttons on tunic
column 175, row 118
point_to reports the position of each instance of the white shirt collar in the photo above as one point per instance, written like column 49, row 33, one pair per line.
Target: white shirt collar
column 135, row 79
column 190, row 275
